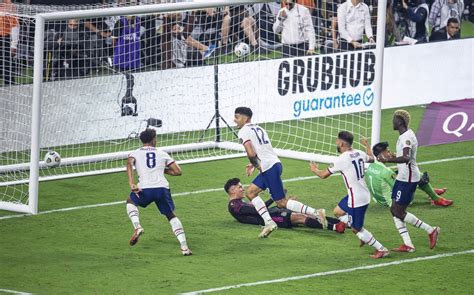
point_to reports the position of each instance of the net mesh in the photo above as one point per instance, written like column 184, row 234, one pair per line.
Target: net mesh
column 182, row 73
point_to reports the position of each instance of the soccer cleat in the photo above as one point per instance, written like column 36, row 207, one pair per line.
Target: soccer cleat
column 434, row 237
column 442, row 202
column 340, row 227
column 186, row 252
column 268, row 229
column 320, row 215
column 440, row 191
column 136, row 234
column 380, row 254
column 404, row 248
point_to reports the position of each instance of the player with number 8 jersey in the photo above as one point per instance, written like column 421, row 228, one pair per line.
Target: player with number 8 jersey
column 151, row 166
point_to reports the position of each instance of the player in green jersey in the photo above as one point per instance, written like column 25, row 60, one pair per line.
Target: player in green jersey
column 380, row 180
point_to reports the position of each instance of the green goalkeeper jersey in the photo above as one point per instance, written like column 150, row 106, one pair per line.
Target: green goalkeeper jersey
column 380, row 180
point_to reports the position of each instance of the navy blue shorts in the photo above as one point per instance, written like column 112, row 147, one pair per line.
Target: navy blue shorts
column 271, row 179
column 357, row 216
column 161, row 196
column 403, row 192
column 343, row 204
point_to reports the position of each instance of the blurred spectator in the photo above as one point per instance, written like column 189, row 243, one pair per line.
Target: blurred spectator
column 242, row 26
column 392, row 33
column 450, row 32
column 265, row 15
column 100, row 34
column 9, row 33
column 209, row 25
column 329, row 30
column 353, row 19
column 183, row 45
column 126, row 43
column 70, row 48
column 442, row 10
column 417, row 14
column 296, row 27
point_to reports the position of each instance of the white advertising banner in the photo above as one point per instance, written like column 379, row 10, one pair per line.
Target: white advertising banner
column 87, row 110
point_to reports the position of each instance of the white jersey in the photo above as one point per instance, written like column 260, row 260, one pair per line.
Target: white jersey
column 150, row 165
column 261, row 144
column 408, row 172
column 351, row 165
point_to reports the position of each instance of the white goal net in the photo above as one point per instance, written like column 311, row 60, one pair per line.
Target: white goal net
column 109, row 72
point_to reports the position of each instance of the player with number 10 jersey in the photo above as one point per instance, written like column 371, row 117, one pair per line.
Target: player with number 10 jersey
column 351, row 166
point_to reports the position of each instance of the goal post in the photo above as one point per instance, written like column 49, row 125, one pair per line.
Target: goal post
column 90, row 110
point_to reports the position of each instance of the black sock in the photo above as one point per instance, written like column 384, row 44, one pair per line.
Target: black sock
column 313, row 223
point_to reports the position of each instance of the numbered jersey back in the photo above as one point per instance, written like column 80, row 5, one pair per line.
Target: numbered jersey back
column 150, row 165
column 261, row 144
column 351, row 166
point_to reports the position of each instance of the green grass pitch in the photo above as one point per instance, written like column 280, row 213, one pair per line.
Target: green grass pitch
column 86, row 250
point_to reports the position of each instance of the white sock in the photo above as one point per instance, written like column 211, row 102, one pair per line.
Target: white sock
column 178, row 231
column 133, row 214
column 344, row 218
column 369, row 239
column 299, row 207
column 262, row 209
column 413, row 220
column 403, row 231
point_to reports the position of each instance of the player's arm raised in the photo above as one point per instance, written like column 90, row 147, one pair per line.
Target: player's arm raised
column 253, row 158
column 405, row 158
column 173, row 169
column 320, row 173
column 368, row 150
column 131, row 180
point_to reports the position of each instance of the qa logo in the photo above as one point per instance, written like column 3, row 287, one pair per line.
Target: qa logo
column 460, row 120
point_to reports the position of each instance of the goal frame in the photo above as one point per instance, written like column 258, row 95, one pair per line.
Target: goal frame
column 35, row 163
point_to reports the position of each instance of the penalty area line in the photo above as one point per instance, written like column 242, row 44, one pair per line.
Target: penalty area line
column 302, row 178
column 332, row 272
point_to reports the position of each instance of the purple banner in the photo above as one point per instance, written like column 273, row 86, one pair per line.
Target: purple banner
column 447, row 122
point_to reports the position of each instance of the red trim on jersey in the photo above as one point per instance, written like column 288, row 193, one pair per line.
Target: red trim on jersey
column 170, row 164
column 350, row 189
column 246, row 141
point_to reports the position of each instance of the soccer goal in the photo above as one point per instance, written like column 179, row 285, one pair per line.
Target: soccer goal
column 85, row 81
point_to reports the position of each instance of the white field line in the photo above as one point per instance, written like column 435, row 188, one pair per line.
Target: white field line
column 332, row 272
column 14, row 292
column 207, row 191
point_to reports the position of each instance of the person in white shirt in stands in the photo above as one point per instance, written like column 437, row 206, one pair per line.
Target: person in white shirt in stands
column 351, row 165
column 353, row 18
column 296, row 27
column 263, row 158
column 152, row 165
column 406, row 183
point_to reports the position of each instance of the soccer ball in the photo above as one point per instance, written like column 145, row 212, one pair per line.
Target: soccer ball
column 52, row 159
column 241, row 49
